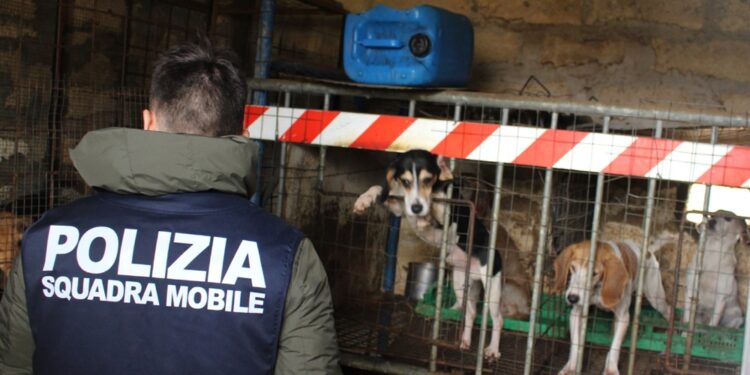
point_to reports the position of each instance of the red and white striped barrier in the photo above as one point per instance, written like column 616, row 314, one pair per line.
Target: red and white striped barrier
column 560, row 149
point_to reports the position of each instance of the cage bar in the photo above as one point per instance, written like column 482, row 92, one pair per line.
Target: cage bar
column 539, row 264
column 642, row 261
column 441, row 267
column 698, row 270
column 497, row 194
column 584, row 308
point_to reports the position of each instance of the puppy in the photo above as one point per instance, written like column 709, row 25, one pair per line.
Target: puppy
column 612, row 286
column 717, row 287
column 419, row 176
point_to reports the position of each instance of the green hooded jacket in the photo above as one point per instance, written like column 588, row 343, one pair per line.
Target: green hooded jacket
column 129, row 161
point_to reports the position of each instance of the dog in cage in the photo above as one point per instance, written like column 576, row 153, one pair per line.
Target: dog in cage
column 11, row 231
column 717, row 286
column 416, row 178
column 612, row 286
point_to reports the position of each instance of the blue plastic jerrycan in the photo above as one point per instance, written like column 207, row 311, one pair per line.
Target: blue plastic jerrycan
column 422, row 46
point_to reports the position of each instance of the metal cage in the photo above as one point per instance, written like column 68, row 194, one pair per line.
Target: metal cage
column 317, row 171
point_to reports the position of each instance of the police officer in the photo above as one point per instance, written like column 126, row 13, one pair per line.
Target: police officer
column 168, row 269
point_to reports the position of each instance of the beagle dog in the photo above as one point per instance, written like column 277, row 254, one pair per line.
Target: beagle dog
column 612, row 286
column 717, row 287
column 419, row 177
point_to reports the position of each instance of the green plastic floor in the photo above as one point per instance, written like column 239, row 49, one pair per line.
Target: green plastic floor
column 723, row 344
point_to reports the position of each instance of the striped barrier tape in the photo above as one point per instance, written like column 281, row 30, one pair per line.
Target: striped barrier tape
column 667, row 159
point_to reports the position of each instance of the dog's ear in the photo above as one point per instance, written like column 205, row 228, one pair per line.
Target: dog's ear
column 745, row 234
column 614, row 279
column 445, row 170
column 389, row 181
column 445, row 177
column 562, row 268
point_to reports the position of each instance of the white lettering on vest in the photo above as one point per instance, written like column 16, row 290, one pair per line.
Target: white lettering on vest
column 97, row 291
column 126, row 266
column 245, row 264
column 48, row 282
column 178, row 269
column 161, row 253
column 248, row 250
column 83, row 253
column 115, row 291
column 150, row 295
column 132, row 291
column 99, row 248
column 177, row 297
column 256, row 303
column 216, row 264
column 200, row 301
column 55, row 248
column 104, row 290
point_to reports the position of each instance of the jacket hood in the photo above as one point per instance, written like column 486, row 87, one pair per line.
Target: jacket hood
column 133, row 161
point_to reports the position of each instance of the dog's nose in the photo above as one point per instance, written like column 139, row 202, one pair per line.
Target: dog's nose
column 573, row 298
column 416, row 208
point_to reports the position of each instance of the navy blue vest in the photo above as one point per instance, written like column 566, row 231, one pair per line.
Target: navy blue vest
column 189, row 283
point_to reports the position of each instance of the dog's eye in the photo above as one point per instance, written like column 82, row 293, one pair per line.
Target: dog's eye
column 427, row 181
column 405, row 182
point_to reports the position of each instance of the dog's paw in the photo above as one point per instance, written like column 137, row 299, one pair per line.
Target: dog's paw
column 611, row 371
column 491, row 353
column 423, row 222
column 569, row 369
column 465, row 344
column 363, row 203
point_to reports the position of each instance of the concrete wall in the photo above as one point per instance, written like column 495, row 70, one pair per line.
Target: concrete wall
column 619, row 52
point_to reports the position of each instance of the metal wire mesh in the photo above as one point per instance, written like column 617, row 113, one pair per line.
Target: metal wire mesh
column 44, row 120
column 392, row 326
column 36, row 131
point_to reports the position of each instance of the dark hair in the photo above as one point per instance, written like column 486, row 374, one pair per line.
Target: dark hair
column 198, row 90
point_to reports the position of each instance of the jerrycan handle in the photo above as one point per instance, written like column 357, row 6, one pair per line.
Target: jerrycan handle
column 381, row 43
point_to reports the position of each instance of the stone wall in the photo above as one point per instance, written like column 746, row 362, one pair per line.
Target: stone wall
column 629, row 53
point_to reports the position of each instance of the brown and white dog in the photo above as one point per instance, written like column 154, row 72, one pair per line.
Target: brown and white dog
column 612, row 286
column 418, row 177
column 717, row 288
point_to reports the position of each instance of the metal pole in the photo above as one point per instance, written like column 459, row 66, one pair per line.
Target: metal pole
column 647, row 222
column 263, row 48
column 441, row 266
column 591, row 261
column 539, row 265
column 322, row 165
column 700, row 118
column 698, row 267
column 391, row 247
column 282, row 166
column 491, row 260
column 262, row 64
column 746, row 347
